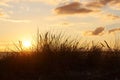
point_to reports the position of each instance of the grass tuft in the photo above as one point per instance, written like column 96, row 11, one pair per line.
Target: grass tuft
column 57, row 57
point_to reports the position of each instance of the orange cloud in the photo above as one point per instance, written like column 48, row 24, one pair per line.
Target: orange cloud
column 114, row 30
column 101, row 31
column 97, row 31
column 102, row 3
column 94, row 5
column 113, row 17
column 72, row 8
column 105, row 1
column 85, row 8
column 115, row 1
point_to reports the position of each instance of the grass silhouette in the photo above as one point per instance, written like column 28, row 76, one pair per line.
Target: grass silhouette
column 57, row 57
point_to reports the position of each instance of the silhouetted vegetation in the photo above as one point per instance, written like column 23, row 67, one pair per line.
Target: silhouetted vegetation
column 57, row 57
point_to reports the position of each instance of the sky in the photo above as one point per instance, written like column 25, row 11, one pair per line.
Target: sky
column 88, row 19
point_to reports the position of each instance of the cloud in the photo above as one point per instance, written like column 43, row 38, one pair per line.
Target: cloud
column 115, row 6
column 97, row 31
column 108, row 17
column 94, row 6
column 101, row 3
column 100, row 31
column 72, row 8
column 114, row 30
column 105, row 1
column 113, row 17
column 115, row 2
column 98, row 4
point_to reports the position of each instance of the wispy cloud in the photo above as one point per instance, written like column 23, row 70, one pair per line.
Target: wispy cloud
column 115, row 6
column 114, row 30
column 107, row 17
column 101, row 3
column 113, row 16
column 94, row 5
column 100, row 31
column 97, row 31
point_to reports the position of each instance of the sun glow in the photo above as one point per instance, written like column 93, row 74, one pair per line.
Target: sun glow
column 27, row 44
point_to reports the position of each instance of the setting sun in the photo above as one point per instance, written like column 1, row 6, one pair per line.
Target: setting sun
column 26, row 44
column 60, row 39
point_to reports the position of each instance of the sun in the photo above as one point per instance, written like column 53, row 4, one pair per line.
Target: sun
column 27, row 44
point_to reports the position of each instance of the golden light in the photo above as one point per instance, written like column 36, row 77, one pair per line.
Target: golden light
column 27, row 44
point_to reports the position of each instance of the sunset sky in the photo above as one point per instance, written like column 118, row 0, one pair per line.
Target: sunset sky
column 90, row 19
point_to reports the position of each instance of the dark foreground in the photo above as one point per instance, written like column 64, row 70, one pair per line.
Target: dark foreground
column 56, row 60
column 60, row 67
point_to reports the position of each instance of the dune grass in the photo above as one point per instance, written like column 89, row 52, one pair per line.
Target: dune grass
column 56, row 57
